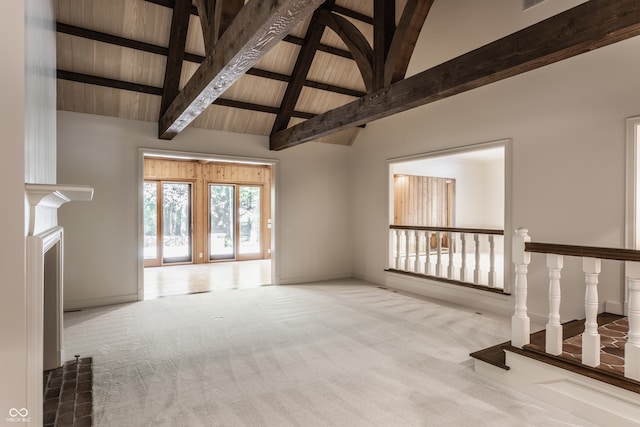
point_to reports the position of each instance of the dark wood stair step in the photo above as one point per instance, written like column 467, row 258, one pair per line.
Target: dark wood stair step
column 496, row 356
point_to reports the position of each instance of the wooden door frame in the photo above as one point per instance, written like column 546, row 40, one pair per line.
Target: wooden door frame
column 264, row 208
column 159, row 261
column 274, row 208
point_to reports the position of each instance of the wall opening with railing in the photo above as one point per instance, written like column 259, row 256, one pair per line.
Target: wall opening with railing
column 447, row 216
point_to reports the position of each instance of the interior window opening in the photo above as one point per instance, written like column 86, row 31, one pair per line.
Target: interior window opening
column 447, row 216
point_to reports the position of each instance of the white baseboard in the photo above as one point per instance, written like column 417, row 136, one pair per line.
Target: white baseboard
column 614, row 307
column 97, row 302
column 312, row 279
column 591, row 399
column 478, row 299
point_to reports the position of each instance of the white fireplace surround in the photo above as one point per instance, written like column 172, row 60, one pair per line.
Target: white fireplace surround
column 44, row 283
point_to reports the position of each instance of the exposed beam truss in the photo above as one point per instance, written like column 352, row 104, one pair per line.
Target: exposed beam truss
column 154, row 90
column 175, row 54
column 289, row 38
column 301, row 68
column 586, row 27
column 192, row 57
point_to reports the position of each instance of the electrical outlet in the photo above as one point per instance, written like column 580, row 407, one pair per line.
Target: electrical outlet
column 200, row 255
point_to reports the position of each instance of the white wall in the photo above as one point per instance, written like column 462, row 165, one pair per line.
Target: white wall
column 312, row 223
column 479, row 187
column 28, row 155
column 566, row 122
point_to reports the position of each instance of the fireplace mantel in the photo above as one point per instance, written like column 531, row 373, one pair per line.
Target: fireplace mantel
column 44, row 287
column 45, row 199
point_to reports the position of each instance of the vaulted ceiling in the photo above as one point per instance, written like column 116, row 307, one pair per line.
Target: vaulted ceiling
column 296, row 70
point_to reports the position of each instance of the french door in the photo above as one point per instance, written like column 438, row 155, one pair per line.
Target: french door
column 235, row 222
column 167, row 223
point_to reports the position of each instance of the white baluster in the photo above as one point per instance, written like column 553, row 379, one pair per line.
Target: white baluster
column 416, row 264
column 407, row 253
column 427, row 261
column 520, row 323
column 632, row 348
column 392, row 245
column 476, row 272
column 450, row 244
column 553, row 343
column 439, row 254
column 398, row 247
column 492, row 262
column 591, row 337
column 463, row 267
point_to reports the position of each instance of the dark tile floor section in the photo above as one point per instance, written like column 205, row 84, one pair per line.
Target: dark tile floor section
column 613, row 337
column 68, row 395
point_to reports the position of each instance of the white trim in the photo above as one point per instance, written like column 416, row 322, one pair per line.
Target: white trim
column 100, row 301
column 585, row 397
column 631, row 213
column 187, row 155
column 507, row 144
column 631, row 219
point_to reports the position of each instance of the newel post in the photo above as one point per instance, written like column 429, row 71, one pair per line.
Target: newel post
column 632, row 347
column 520, row 324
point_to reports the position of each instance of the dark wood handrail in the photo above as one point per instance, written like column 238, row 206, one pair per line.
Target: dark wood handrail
column 448, row 229
column 583, row 251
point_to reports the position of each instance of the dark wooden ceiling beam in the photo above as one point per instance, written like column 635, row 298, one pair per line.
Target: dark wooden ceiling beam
column 384, row 27
column 259, row 26
column 191, row 57
column 353, row 14
column 338, row 9
column 404, row 40
column 110, row 83
column 358, row 45
column 289, row 38
column 153, row 90
column 175, row 55
column 586, row 27
column 226, row 12
column 206, row 12
column 322, row 47
column 171, row 4
column 301, row 68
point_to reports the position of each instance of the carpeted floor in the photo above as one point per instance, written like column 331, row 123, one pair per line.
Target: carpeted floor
column 336, row 354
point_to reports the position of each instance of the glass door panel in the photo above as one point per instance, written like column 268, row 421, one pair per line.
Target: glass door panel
column 150, row 219
column 176, row 222
column 222, row 229
column 249, row 220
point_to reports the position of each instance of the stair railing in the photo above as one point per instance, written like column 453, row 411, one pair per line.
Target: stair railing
column 522, row 248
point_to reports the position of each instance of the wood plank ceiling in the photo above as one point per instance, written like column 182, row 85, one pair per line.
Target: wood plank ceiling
column 296, row 70
column 112, row 57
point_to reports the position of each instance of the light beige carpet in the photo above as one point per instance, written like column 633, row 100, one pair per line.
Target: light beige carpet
column 341, row 353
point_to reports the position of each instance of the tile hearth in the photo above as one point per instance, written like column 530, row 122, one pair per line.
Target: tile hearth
column 68, row 397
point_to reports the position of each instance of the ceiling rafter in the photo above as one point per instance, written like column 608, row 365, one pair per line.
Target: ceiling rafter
column 288, row 38
column 586, row 27
column 191, row 57
column 384, row 27
column 206, row 10
column 358, row 45
column 175, row 54
column 338, row 9
column 154, row 90
column 353, row 14
column 301, row 68
column 258, row 27
column 404, row 40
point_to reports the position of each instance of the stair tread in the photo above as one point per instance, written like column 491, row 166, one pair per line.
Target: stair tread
column 496, row 356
